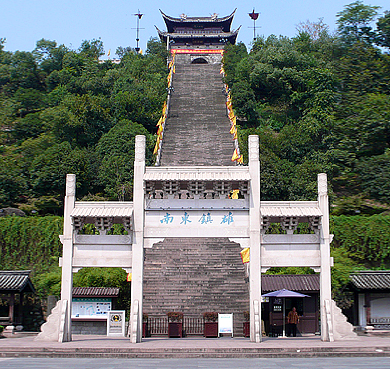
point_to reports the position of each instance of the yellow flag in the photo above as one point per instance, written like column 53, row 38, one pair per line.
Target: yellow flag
column 231, row 115
column 234, row 120
column 164, row 108
column 159, row 130
column 235, row 155
column 160, row 122
column 240, row 160
column 174, row 69
column 109, row 52
column 245, row 255
column 129, row 277
column 233, row 129
column 235, row 135
column 235, row 194
column 170, row 64
column 157, row 145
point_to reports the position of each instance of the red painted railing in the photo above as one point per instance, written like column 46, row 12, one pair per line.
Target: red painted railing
column 159, row 326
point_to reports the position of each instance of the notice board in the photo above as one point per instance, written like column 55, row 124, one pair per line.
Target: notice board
column 225, row 324
column 116, row 323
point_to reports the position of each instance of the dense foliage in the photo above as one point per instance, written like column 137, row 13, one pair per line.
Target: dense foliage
column 62, row 111
column 320, row 102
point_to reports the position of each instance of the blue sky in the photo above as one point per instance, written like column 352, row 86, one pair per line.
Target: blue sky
column 69, row 22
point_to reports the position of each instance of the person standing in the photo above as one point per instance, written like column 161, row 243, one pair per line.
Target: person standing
column 293, row 320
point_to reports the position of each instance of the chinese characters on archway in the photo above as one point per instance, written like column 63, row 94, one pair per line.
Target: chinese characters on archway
column 205, row 218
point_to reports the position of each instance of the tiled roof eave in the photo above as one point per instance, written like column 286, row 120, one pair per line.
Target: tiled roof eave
column 371, row 280
column 103, row 209
column 103, row 292
column 16, row 281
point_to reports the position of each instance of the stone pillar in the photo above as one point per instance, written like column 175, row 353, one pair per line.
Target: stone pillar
column 67, row 256
column 367, row 306
column 11, row 308
column 254, row 234
column 138, row 239
column 325, row 278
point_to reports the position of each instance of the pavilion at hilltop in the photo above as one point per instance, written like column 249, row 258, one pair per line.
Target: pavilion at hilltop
column 207, row 31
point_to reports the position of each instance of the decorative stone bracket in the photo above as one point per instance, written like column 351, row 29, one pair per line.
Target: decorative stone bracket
column 103, row 224
column 194, row 189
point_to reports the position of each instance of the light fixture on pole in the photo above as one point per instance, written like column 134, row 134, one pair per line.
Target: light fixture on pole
column 139, row 16
column 254, row 16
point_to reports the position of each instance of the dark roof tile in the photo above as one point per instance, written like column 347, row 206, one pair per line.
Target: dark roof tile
column 292, row 282
column 15, row 281
column 371, row 280
column 95, row 292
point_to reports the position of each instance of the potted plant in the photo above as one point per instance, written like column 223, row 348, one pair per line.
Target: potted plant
column 210, row 320
column 1, row 331
column 175, row 324
column 246, row 324
column 145, row 332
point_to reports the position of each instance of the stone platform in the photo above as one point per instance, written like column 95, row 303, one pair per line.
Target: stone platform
column 22, row 345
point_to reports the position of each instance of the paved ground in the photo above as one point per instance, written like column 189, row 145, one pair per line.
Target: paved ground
column 287, row 363
column 21, row 345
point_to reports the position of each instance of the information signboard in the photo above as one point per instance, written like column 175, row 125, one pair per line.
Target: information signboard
column 225, row 324
column 90, row 307
column 116, row 323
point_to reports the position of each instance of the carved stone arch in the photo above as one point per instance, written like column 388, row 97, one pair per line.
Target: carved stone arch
column 199, row 60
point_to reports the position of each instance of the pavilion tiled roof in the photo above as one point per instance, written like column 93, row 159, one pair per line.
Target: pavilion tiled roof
column 371, row 280
column 290, row 209
column 292, row 282
column 102, row 209
column 95, row 292
column 15, row 281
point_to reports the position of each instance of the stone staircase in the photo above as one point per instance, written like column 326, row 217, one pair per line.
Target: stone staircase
column 195, row 275
column 197, row 128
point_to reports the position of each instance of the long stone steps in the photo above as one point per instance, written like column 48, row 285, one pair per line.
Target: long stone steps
column 191, row 348
column 194, row 276
column 197, row 129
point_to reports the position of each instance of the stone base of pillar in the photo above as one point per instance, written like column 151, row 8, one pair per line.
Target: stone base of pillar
column 342, row 329
column 50, row 330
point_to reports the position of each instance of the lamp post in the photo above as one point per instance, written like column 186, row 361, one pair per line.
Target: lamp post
column 139, row 16
column 254, row 16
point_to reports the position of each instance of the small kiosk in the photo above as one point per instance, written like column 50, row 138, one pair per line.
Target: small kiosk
column 307, row 308
column 14, row 284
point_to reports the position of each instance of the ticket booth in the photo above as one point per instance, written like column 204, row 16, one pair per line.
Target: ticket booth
column 307, row 308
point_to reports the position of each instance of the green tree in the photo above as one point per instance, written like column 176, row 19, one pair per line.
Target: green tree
column 383, row 26
column 92, row 48
column 116, row 152
column 354, row 22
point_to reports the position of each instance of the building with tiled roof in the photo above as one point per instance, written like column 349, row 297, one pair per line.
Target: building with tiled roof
column 371, row 298
column 14, row 282
column 207, row 31
column 307, row 307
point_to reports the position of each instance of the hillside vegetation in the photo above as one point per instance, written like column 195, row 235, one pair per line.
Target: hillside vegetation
column 320, row 102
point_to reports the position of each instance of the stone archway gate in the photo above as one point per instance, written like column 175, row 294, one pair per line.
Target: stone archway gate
column 193, row 202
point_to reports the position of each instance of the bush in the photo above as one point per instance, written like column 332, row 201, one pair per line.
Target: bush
column 210, row 316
